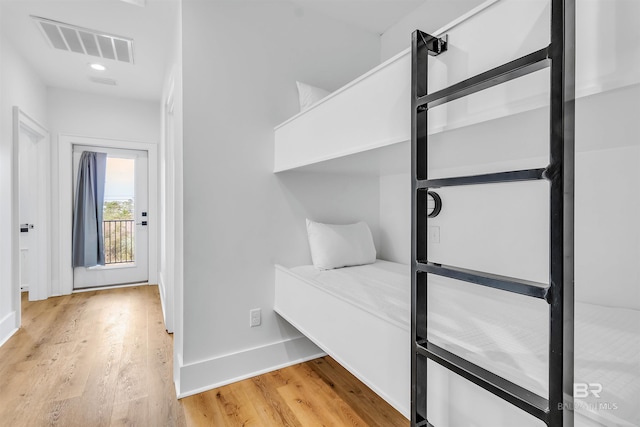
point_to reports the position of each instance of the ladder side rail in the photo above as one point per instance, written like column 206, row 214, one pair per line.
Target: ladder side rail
column 418, row 87
column 561, row 238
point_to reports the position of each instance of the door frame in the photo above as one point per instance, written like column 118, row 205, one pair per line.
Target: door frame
column 65, row 161
column 167, row 264
column 23, row 122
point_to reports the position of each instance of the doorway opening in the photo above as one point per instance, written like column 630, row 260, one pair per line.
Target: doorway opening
column 32, row 265
column 124, row 222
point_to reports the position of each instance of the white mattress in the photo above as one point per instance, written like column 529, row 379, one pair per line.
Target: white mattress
column 508, row 335
column 505, row 333
column 382, row 288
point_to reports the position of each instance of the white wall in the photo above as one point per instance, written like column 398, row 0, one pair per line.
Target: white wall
column 240, row 64
column 607, row 201
column 607, row 240
column 91, row 115
column 19, row 86
column 395, row 217
column 429, row 17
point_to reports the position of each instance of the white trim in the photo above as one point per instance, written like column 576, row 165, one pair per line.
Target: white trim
column 170, row 104
column 7, row 327
column 167, row 270
column 163, row 302
column 177, row 363
column 65, row 162
column 106, row 288
column 201, row 376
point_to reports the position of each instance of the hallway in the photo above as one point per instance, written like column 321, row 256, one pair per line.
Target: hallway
column 90, row 359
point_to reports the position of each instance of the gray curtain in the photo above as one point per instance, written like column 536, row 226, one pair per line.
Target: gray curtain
column 88, row 239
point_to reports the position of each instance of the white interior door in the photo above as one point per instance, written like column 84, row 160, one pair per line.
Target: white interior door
column 28, row 195
column 125, row 222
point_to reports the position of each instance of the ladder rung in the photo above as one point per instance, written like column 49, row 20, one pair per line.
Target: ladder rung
column 490, row 178
column 516, row 395
column 509, row 284
column 511, row 70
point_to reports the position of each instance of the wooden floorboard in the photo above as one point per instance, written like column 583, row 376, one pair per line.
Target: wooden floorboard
column 95, row 358
column 103, row 358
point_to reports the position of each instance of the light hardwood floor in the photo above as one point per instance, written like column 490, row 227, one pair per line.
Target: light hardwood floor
column 103, row 358
column 90, row 359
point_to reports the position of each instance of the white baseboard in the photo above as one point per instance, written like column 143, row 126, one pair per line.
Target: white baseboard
column 106, row 288
column 209, row 374
column 7, row 327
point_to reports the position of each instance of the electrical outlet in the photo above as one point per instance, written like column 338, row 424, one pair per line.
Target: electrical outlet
column 255, row 317
column 434, row 234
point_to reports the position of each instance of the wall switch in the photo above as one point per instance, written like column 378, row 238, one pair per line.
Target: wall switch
column 255, row 317
column 434, row 234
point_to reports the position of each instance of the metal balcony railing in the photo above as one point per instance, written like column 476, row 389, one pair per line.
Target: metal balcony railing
column 119, row 240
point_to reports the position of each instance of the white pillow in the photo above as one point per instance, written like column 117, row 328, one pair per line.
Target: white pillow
column 335, row 246
column 309, row 95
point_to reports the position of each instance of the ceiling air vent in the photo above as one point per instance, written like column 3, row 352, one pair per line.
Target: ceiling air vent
column 103, row 81
column 84, row 41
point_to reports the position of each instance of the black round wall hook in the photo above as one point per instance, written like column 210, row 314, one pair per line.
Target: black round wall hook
column 437, row 204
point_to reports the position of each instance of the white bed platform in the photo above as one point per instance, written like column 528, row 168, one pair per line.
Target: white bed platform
column 370, row 112
column 360, row 316
column 357, row 315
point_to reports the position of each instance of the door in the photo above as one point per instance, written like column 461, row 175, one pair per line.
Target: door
column 125, row 220
column 30, row 256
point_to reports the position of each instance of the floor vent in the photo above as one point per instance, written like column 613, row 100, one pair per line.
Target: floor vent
column 84, row 41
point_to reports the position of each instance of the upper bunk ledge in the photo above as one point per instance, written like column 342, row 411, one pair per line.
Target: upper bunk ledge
column 369, row 113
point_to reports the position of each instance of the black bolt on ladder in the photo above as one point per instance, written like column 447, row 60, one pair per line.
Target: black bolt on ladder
column 556, row 410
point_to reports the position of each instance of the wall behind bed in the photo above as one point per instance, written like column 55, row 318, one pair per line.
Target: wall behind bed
column 240, row 63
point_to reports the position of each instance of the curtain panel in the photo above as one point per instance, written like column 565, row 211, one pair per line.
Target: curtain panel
column 88, row 239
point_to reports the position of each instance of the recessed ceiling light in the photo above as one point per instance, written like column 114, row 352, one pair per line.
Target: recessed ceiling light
column 97, row 67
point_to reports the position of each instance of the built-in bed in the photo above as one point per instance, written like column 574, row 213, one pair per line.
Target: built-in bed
column 360, row 315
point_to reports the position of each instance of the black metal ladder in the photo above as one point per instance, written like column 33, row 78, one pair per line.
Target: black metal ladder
column 556, row 409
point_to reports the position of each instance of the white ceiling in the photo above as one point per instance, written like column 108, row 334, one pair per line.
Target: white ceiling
column 371, row 15
column 151, row 27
